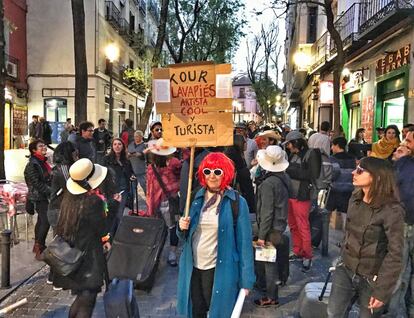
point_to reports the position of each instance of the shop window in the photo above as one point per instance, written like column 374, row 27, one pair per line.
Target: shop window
column 55, row 110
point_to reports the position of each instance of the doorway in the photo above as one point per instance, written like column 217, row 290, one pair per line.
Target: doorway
column 56, row 113
column 393, row 110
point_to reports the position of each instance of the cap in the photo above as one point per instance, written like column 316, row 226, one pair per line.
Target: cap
column 240, row 125
column 155, row 123
column 293, row 135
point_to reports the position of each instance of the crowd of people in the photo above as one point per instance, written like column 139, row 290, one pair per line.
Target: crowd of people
column 272, row 173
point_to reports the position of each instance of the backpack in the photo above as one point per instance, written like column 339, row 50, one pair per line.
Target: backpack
column 325, row 177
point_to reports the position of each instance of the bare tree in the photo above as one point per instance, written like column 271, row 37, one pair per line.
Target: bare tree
column 81, row 68
column 253, row 60
column 339, row 61
column 2, row 85
column 269, row 39
column 156, row 58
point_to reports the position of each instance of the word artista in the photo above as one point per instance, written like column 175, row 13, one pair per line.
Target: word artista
column 194, row 129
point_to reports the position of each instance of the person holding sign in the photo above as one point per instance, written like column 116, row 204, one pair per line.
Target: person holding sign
column 217, row 259
column 272, row 212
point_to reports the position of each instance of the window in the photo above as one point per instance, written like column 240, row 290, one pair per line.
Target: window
column 131, row 64
column 312, row 24
column 242, row 92
column 131, row 22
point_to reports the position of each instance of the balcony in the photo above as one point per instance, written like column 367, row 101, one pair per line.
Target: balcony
column 143, row 7
column 320, row 51
column 154, row 10
column 12, row 67
column 376, row 16
column 347, row 26
column 124, row 29
column 112, row 14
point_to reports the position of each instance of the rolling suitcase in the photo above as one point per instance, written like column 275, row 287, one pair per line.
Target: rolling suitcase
column 313, row 299
column 136, row 250
column 119, row 300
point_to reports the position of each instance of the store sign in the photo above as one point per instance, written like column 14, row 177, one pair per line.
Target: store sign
column 326, row 94
column 355, row 79
column 367, row 116
column 394, row 60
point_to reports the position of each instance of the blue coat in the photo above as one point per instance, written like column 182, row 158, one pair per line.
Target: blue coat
column 235, row 263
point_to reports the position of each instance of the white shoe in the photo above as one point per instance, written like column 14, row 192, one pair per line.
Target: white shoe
column 57, row 288
column 49, row 282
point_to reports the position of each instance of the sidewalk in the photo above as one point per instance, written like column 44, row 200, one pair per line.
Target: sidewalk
column 43, row 301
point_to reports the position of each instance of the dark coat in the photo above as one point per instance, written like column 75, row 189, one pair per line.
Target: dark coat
column 85, row 147
column 272, row 204
column 46, row 133
column 307, row 171
column 60, row 173
column 341, row 187
column 374, row 242
column 87, row 238
column 37, row 179
column 121, row 173
column 357, row 149
column 102, row 139
column 243, row 179
column 404, row 168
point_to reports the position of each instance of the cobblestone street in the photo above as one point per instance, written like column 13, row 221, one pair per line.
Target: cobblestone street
column 43, row 301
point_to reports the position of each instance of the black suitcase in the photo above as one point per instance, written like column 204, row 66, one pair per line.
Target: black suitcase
column 120, row 301
column 136, row 250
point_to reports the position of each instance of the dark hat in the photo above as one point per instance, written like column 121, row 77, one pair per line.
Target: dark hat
column 240, row 125
column 379, row 128
column 155, row 123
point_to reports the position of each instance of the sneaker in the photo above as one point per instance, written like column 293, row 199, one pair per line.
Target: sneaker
column 49, row 282
column 57, row 288
column 172, row 259
column 306, row 265
column 266, row 302
column 293, row 257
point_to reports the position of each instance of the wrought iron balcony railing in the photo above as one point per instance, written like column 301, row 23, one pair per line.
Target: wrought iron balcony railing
column 347, row 26
column 112, row 14
column 12, row 67
column 124, row 29
column 143, row 7
column 320, row 51
column 374, row 14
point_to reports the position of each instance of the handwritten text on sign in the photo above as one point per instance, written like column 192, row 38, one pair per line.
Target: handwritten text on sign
column 208, row 130
column 193, row 89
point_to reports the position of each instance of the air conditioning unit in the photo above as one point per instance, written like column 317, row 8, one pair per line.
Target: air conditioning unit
column 11, row 69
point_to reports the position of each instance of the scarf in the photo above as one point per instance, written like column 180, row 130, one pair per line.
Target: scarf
column 383, row 148
column 44, row 162
column 212, row 201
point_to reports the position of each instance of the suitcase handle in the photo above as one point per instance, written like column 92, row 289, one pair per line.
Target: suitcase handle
column 328, row 277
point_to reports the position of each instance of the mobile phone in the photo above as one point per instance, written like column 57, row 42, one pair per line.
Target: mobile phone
column 121, row 192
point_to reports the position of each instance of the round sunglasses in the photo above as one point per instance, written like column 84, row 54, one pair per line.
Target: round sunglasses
column 217, row 172
column 359, row 170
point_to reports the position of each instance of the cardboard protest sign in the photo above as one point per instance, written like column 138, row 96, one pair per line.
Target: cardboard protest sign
column 195, row 88
column 206, row 130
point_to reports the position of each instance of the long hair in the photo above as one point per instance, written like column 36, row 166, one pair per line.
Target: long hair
column 217, row 160
column 300, row 144
column 73, row 207
column 358, row 131
column 395, row 128
column 112, row 155
column 63, row 153
column 383, row 189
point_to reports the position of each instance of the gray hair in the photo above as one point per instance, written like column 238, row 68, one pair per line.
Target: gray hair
column 139, row 133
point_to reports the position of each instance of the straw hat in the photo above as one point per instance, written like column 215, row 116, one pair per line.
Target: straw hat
column 84, row 175
column 270, row 134
column 273, row 159
column 156, row 147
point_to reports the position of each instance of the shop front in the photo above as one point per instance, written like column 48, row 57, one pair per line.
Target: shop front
column 392, row 80
column 15, row 120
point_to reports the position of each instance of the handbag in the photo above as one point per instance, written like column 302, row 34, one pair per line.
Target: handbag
column 173, row 202
column 61, row 257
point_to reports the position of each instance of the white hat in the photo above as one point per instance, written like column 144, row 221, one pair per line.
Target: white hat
column 84, row 175
column 273, row 159
column 156, row 147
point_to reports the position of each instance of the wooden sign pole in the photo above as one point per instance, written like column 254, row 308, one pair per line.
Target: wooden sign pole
column 190, row 182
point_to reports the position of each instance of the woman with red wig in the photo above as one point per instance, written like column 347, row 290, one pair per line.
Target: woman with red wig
column 217, row 258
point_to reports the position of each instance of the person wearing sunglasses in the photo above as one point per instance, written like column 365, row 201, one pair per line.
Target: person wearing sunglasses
column 217, row 258
column 371, row 256
column 156, row 130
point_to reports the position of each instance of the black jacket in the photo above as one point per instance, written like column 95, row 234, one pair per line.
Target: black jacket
column 87, row 238
column 60, row 173
column 85, row 148
column 272, row 203
column 306, row 172
column 37, row 179
column 374, row 241
column 121, row 174
column 102, row 139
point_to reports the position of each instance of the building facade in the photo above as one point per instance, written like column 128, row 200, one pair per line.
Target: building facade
column 129, row 24
column 16, row 110
column 377, row 82
column 245, row 107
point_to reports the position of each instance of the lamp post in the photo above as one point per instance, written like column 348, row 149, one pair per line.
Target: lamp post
column 112, row 54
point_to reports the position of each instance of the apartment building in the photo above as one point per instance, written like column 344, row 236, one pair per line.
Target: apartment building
column 377, row 85
column 245, row 106
column 16, row 66
column 129, row 24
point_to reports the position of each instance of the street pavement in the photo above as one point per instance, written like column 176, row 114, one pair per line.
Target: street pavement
column 43, row 301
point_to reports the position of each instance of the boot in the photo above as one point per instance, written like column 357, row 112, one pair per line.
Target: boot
column 38, row 250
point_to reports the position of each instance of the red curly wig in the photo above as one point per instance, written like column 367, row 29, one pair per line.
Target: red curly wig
column 216, row 160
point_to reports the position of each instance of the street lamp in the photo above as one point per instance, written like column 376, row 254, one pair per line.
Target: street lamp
column 302, row 60
column 112, row 54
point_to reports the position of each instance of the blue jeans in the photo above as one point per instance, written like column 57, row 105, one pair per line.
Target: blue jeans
column 347, row 288
column 399, row 305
